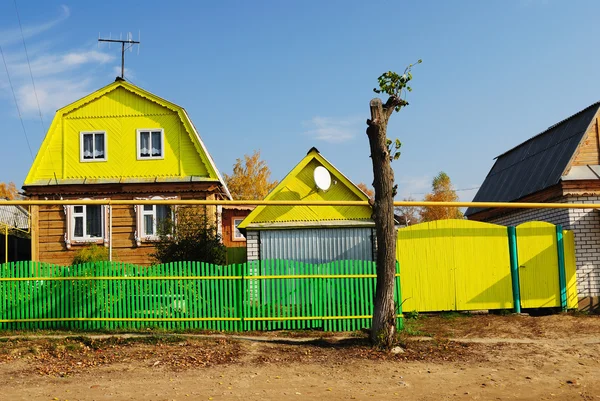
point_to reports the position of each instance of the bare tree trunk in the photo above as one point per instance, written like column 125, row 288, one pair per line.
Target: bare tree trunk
column 383, row 327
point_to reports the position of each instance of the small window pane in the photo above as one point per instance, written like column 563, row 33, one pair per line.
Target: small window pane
column 156, row 143
column 78, row 231
column 88, row 146
column 163, row 216
column 94, row 221
column 148, row 208
column 144, row 144
column 148, row 229
column 163, row 212
column 237, row 233
column 78, row 209
column 99, row 148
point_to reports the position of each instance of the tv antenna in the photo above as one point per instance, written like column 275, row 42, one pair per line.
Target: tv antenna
column 129, row 41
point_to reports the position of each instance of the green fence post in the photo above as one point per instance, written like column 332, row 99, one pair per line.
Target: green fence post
column 562, row 280
column 514, row 268
column 400, row 318
column 242, row 296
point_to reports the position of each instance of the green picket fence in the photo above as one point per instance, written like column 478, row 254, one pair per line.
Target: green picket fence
column 265, row 295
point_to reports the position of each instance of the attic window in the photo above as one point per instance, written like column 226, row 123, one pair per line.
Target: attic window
column 150, row 144
column 92, row 146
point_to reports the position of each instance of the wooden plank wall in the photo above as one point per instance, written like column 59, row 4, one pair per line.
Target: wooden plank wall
column 52, row 227
column 588, row 152
column 227, row 224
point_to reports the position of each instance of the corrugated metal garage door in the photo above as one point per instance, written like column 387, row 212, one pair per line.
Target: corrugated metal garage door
column 317, row 245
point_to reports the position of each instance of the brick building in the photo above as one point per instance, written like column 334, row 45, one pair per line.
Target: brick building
column 559, row 165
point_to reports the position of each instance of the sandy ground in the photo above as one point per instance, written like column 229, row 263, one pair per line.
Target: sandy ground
column 463, row 358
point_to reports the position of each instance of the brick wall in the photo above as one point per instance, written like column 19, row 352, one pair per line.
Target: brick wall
column 514, row 217
column 585, row 224
column 253, row 245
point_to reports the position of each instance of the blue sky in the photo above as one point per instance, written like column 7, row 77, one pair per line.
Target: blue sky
column 283, row 76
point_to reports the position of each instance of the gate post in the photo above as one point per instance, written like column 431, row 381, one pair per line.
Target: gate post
column 514, row 268
column 562, row 280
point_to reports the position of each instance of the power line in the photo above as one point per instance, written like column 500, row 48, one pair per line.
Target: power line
column 29, row 64
column 16, row 103
column 449, row 190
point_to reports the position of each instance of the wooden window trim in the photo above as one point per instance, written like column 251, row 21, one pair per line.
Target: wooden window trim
column 69, row 236
column 139, row 235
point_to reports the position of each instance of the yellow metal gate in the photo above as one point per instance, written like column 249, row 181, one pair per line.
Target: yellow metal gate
column 538, row 265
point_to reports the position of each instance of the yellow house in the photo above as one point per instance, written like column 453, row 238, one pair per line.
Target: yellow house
column 312, row 234
column 120, row 142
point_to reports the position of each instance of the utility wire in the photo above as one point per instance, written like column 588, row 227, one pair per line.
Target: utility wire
column 16, row 103
column 29, row 64
column 449, row 190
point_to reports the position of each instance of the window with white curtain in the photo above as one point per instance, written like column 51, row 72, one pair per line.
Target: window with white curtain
column 154, row 219
column 150, row 144
column 92, row 146
column 151, row 220
column 87, row 222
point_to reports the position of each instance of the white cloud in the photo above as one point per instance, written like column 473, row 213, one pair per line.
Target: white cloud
column 53, row 64
column 52, row 94
column 415, row 187
column 13, row 35
column 333, row 130
column 61, row 77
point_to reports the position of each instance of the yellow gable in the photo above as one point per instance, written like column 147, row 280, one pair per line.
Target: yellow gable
column 299, row 185
column 119, row 110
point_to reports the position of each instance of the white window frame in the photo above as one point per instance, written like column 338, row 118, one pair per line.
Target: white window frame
column 140, row 233
column 70, row 215
column 162, row 143
column 81, row 135
column 234, row 229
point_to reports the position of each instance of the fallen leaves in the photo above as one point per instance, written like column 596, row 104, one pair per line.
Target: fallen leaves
column 65, row 357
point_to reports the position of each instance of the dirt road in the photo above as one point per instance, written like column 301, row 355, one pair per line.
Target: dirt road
column 462, row 358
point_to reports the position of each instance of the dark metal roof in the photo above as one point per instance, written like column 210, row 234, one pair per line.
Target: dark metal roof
column 535, row 164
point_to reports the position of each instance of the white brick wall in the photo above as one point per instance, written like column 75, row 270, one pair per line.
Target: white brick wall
column 253, row 245
column 514, row 217
column 585, row 224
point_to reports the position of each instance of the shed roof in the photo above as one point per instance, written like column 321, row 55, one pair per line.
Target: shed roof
column 537, row 163
column 13, row 216
column 299, row 185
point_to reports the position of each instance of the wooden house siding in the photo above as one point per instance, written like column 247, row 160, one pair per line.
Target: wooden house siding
column 227, row 223
column 183, row 169
column 588, row 150
column 51, row 227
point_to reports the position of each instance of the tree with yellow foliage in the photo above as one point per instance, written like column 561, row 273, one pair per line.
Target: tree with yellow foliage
column 9, row 191
column 442, row 191
column 250, row 178
column 368, row 191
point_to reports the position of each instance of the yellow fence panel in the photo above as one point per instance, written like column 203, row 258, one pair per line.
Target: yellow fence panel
column 538, row 265
column 570, row 269
column 482, row 268
column 426, row 267
column 454, row 265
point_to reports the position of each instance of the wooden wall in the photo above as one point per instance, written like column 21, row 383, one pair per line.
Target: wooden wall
column 588, row 151
column 51, row 229
column 227, row 224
